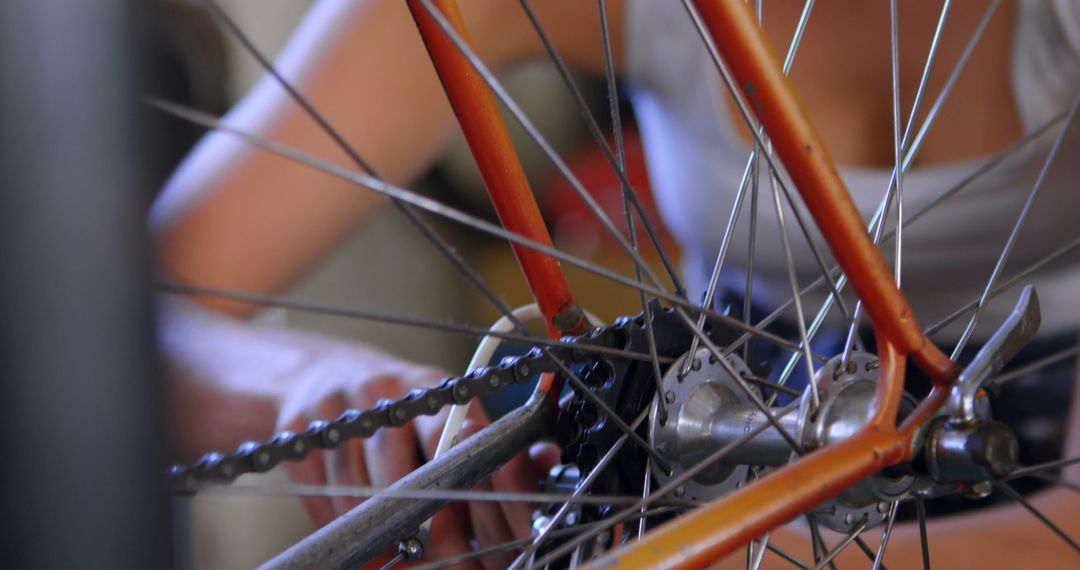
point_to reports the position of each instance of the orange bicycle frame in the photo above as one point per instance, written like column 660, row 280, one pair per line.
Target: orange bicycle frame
column 717, row 529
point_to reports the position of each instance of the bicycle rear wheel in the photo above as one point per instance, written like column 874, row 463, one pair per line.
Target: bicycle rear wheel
column 867, row 292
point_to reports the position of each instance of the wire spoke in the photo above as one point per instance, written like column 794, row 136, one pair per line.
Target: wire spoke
column 756, row 380
column 750, row 171
column 800, row 29
column 580, row 491
column 898, row 150
column 763, row 546
column 400, row 557
column 950, row 83
column 985, row 168
column 670, row 487
column 800, row 319
column 1049, row 465
column 750, row 180
column 477, row 554
column 928, row 67
column 616, row 161
column 646, row 490
column 1043, row 362
column 438, row 208
column 721, row 254
column 817, row 543
column 779, row 311
column 740, row 101
column 847, row 540
column 924, row 541
column 518, row 544
column 169, row 286
column 628, row 192
column 877, row 223
column 1002, row 288
column 428, row 231
column 934, row 204
column 879, row 558
column 1008, row 490
column 751, row 247
column 999, row 266
column 869, row 552
column 497, row 88
column 787, row 556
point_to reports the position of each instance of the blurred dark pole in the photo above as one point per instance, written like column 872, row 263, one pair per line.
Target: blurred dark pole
column 81, row 414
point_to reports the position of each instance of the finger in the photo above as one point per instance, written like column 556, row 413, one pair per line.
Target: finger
column 310, row 471
column 489, row 526
column 545, row 456
column 523, row 474
column 450, row 535
column 391, row 454
column 447, row 424
column 450, row 528
column 519, row 475
column 345, row 465
column 429, row 430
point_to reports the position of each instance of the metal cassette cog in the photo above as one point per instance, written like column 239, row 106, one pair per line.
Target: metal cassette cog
column 628, row 387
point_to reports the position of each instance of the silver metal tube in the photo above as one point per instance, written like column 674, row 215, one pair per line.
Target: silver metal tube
column 767, row 449
column 366, row 531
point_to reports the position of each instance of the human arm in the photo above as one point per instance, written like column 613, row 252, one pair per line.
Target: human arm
column 240, row 218
column 236, row 218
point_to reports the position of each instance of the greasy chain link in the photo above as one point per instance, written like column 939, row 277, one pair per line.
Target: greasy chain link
column 256, row 457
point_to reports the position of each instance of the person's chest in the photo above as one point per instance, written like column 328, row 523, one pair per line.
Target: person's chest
column 843, row 75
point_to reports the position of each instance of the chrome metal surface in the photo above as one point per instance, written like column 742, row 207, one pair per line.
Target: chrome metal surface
column 847, row 389
column 971, row 452
column 1017, row 330
column 707, row 410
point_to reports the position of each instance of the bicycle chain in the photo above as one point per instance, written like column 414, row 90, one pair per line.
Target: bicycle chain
column 259, row 457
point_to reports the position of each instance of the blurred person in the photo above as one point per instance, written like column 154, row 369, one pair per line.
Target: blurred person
column 238, row 218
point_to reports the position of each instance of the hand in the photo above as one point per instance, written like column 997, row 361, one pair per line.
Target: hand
column 358, row 377
column 239, row 377
column 334, row 378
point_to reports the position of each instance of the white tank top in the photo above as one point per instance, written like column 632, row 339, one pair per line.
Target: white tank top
column 696, row 158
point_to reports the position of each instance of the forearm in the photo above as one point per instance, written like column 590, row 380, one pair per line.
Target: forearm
column 236, row 217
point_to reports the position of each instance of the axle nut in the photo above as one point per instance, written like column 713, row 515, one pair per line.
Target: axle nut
column 971, row 452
